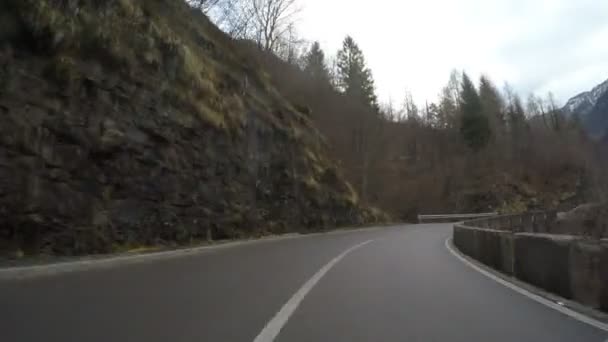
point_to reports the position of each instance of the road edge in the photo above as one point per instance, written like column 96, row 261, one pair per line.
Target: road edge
column 112, row 261
column 569, row 308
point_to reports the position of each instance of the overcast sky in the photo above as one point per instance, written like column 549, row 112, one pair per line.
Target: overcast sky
column 535, row 45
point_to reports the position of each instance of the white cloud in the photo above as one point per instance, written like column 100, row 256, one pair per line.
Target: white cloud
column 536, row 45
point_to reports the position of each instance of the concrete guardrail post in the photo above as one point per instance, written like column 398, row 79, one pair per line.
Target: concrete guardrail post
column 498, row 222
column 517, row 224
column 551, row 217
column 209, row 235
column 535, row 222
column 544, row 223
column 540, row 219
column 505, row 223
column 577, row 267
column 527, row 222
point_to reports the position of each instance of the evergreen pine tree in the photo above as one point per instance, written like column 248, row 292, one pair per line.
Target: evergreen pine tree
column 315, row 64
column 354, row 78
column 475, row 126
column 492, row 104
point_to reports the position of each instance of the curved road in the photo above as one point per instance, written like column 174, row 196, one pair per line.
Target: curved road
column 402, row 286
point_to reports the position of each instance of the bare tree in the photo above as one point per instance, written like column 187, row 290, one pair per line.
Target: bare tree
column 205, row 5
column 272, row 19
column 410, row 109
column 270, row 23
column 291, row 47
column 232, row 16
column 236, row 18
column 554, row 111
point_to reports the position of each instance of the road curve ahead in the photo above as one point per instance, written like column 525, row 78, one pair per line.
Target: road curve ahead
column 391, row 284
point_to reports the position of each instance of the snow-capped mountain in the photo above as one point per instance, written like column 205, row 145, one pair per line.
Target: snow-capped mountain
column 583, row 103
column 592, row 107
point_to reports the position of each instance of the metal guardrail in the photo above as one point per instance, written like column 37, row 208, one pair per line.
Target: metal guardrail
column 454, row 217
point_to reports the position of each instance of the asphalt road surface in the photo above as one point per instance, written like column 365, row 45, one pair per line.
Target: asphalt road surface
column 391, row 284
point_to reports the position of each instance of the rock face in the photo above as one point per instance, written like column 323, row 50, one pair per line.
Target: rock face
column 128, row 123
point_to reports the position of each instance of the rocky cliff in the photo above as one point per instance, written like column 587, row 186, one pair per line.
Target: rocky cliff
column 130, row 123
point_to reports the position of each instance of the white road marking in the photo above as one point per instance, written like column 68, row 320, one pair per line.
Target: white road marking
column 566, row 311
column 273, row 328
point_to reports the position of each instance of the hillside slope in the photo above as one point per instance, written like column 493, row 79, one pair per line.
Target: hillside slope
column 410, row 168
column 131, row 123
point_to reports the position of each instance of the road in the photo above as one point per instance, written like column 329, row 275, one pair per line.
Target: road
column 401, row 285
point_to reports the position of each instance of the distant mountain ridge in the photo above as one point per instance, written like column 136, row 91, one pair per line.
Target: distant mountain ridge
column 584, row 102
column 592, row 107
